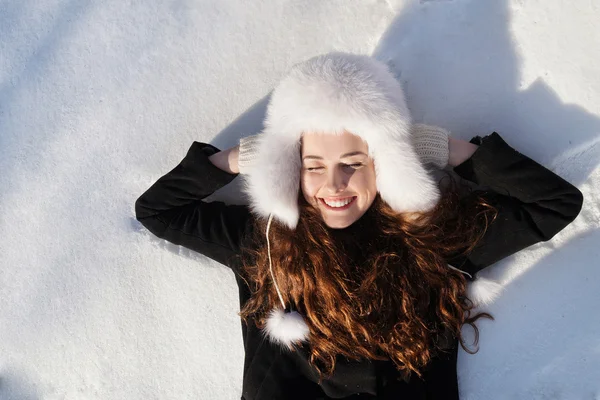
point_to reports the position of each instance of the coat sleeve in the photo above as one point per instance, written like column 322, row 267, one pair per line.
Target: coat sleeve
column 173, row 209
column 533, row 203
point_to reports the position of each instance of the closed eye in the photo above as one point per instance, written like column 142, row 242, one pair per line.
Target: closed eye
column 355, row 165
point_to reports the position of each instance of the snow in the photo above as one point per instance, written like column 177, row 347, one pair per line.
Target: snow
column 98, row 99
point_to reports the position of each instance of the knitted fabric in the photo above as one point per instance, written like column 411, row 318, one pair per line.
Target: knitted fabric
column 431, row 144
column 247, row 153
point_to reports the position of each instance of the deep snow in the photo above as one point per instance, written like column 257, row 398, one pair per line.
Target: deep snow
column 98, row 99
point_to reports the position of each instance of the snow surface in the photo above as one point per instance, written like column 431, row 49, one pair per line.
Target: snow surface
column 98, row 99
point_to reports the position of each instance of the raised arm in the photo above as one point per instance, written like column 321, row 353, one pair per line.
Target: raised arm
column 533, row 203
column 173, row 209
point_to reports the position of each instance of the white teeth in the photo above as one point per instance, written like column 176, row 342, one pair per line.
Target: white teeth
column 338, row 203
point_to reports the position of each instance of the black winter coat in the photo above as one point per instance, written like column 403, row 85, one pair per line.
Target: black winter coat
column 534, row 204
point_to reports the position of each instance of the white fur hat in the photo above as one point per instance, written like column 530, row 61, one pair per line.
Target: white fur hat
column 329, row 94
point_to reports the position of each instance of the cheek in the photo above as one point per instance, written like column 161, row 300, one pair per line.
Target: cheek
column 373, row 183
column 364, row 182
column 371, row 179
column 309, row 185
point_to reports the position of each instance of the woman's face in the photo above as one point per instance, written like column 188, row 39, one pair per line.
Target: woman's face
column 337, row 169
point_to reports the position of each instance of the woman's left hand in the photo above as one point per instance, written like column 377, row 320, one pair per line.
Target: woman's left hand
column 460, row 151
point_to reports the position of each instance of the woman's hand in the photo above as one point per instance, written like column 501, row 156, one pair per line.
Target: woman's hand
column 239, row 159
column 227, row 160
column 459, row 151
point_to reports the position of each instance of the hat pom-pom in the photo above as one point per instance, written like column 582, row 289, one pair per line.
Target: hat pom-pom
column 483, row 291
column 286, row 327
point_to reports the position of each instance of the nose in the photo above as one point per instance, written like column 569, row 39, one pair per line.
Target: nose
column 336, row 181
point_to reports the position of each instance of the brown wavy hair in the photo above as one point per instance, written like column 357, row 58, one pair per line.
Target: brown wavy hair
column 379, row 289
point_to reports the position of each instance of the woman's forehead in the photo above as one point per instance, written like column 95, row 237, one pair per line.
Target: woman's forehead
column 329, row 145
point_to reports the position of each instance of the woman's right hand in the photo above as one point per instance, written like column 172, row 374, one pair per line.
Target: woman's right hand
column 227, row 160
column 238, row 159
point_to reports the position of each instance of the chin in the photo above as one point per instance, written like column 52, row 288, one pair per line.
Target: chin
column 340, row 225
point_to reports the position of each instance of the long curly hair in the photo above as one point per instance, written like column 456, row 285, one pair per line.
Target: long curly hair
column 379, row 289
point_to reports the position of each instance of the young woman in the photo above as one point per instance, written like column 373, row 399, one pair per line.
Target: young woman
column 354, row 265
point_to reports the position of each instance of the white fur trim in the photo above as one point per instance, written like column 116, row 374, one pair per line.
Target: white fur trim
column 285, row 328
column 483, row 291
column 329, row 94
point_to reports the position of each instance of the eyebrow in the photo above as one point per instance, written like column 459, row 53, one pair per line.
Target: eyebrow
column 354, row 153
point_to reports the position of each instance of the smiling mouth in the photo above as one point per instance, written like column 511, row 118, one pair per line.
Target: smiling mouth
column 334, row 208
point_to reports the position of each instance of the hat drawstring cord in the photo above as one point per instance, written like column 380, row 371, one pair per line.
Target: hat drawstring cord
column 270, row 263
column 459, row 270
